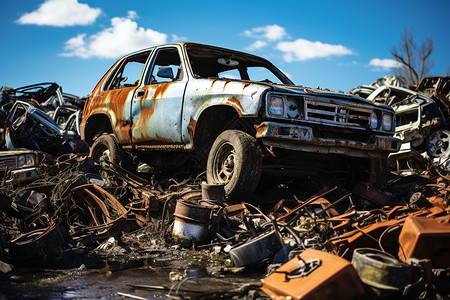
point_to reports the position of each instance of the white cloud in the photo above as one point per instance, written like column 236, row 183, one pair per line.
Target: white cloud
column 268, row 32
column 124, row 36
column 256, row 45
column 385, row 64
column 61, row 13
column 301, row 49
column 132, row 14
column 176, row 38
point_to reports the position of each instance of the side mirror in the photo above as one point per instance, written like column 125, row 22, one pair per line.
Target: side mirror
column 165, row 73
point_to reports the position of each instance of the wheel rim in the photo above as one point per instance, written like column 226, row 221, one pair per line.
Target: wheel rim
column 101, row 152
column 438, row 144
column 224, row 163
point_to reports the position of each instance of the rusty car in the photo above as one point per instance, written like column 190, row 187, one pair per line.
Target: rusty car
column 21, row 165
column 28, row 127
column 421, row 119
column 191, row 103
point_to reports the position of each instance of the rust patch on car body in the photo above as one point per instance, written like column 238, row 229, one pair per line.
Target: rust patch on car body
column 191, row 130
column 160, row 90
column 260, row 129
column 163, row 139
column 236, row 102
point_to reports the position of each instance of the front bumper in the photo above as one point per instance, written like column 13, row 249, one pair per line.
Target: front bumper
column 21, row 175
column 301, row 138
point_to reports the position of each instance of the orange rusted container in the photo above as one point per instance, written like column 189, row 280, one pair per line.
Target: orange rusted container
column 332, row 277
column 423, row 237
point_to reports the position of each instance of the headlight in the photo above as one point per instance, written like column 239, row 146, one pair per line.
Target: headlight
column 387, row 122
column 373, row 120
column 26, row 160
column 276, row 106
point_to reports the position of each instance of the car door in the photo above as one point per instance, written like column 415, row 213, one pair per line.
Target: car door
column 156, row 106
column 118, row 92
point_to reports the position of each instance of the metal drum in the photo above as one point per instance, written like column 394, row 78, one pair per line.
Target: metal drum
column 191, row 222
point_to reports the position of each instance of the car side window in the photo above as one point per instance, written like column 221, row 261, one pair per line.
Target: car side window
column 129, row 72
column 166, row 67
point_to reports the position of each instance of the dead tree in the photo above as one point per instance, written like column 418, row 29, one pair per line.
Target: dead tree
column 416, row 61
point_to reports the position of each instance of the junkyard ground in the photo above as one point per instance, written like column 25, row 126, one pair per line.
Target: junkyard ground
column 105, row 277
column 148, row 264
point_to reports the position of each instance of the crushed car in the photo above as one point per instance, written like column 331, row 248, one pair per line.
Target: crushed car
column 420, row 120
column 27, row 127
column 18, row 166
column 364, row 91
column 48, row 98
column 233, row 110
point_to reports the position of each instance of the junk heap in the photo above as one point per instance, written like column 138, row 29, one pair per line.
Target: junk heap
column 310, row 240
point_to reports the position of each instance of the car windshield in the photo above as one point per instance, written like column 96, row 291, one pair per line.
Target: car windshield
column 211, row 62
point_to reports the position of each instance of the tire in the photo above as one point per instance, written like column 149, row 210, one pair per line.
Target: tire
column 438, row 144
column 235, row 160
column 106, row 146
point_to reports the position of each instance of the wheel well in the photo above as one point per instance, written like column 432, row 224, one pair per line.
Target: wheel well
column 213, row 121
column 95, row 126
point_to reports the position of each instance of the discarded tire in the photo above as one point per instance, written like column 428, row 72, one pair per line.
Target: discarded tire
column 39, row 247
column 381, row 272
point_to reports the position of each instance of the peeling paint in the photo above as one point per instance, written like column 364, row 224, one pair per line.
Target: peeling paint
column 235, row 101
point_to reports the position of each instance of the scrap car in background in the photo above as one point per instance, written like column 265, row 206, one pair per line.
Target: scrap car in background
column 232, row 110
column 17, row 166
column 27, row 127
column 421, row 120
column 52, row 115
column 364, row 91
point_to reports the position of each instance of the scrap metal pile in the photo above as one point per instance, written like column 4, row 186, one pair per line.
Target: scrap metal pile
column 313, row 241
column 422, row 120
column 398, row 241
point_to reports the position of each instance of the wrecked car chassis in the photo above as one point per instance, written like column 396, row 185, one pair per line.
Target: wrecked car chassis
column 213, row 103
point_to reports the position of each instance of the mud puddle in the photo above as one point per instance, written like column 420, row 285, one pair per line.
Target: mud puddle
column 155, row 274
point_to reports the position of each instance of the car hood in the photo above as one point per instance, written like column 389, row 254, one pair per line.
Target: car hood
column 306, row 91
column 16, row 152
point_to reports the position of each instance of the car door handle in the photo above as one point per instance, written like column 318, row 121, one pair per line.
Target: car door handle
column 140, row 94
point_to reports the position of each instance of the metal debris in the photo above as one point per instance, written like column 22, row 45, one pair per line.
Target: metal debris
column 312, row 239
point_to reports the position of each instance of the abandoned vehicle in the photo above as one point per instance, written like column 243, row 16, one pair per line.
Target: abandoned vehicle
column 421, row 120
column 233, row 110
column 21, row 165
column 28, row 127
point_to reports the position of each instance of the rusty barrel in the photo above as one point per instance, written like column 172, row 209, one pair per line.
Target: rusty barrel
column 213, row 192
column 191, row 222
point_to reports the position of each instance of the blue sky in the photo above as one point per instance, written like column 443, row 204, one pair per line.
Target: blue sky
column 331, row 44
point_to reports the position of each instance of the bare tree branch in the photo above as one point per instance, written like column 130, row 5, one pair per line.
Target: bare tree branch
column 416, row 61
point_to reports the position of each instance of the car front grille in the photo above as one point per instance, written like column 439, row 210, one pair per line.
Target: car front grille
column 8, row 162
column 336, row 114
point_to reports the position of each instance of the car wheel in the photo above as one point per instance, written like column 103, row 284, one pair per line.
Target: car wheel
column 235, row 160
column 106, row 147
column 438, row 144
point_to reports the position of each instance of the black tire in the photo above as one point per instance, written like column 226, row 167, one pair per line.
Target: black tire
column 438, row 144
column 106, row 146
column 235, row 160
